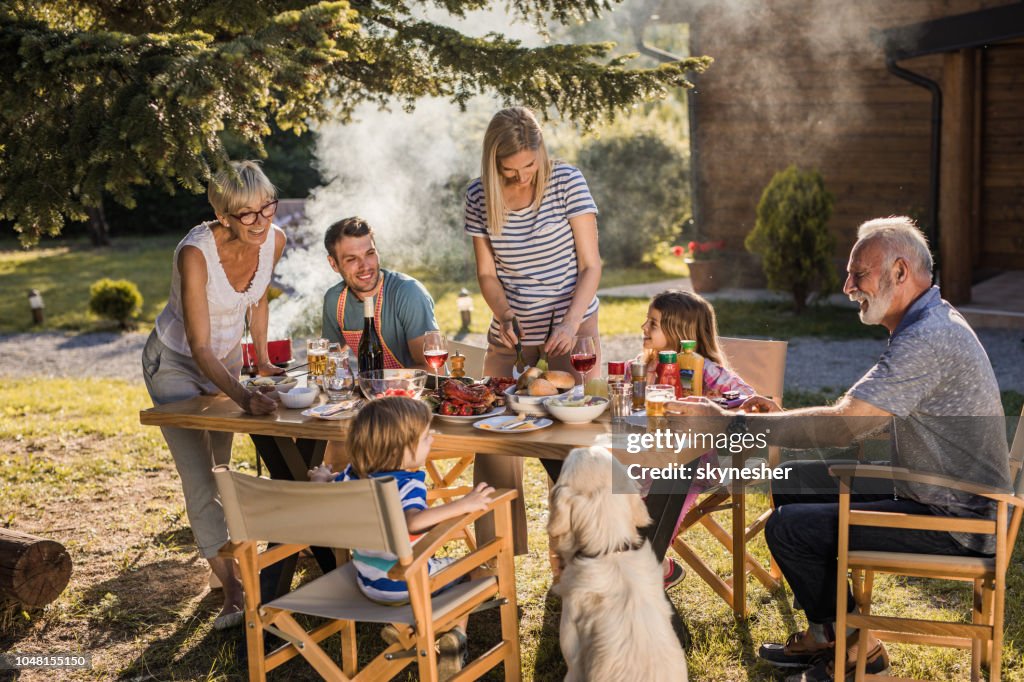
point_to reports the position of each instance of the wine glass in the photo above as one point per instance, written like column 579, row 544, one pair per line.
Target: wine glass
column 584, row 356
column 435, row 351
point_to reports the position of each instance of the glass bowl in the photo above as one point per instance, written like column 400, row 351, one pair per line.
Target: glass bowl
column 379, row 383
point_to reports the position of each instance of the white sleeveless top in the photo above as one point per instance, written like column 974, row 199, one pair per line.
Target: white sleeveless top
column 227, row 306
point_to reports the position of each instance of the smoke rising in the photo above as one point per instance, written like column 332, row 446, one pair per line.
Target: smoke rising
column 405, row 173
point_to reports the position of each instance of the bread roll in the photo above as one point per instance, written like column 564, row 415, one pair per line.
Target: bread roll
column 529, row 375
column 560, row 380
column 542, row 387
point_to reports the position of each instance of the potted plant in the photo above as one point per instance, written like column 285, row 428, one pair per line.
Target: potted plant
column 702, row 260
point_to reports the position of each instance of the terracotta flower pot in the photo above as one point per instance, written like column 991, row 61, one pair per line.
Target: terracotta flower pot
column 704, row 275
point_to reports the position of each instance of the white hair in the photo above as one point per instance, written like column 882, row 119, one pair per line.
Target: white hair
column 901, row 238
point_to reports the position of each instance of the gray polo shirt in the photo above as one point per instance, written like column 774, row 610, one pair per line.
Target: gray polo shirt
column 936, row 379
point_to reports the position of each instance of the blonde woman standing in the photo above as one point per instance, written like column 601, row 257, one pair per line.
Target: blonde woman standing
column 219, row 282
column 534, row 228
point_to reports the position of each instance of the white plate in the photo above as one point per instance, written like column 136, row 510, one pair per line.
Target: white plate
column 280, row 381
column 337, row 416
column 458, row 419
column 494, row 424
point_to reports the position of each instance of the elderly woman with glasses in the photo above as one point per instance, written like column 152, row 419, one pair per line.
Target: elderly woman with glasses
column 219, row 283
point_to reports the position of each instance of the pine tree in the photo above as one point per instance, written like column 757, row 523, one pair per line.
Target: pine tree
column 104, row 96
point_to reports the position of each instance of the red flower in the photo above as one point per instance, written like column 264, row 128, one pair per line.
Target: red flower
column 692, row 246
column 678, row 251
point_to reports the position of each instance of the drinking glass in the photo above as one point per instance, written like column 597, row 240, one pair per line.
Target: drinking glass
column 656, row 397
column 340, row 385
column 316, row 356
column 584, row 356
column 435, row 351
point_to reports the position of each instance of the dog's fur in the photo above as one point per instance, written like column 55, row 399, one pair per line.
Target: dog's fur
column 616, row 619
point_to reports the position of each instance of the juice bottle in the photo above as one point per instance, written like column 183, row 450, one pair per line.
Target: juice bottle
column 668, row 371
column 691, row 370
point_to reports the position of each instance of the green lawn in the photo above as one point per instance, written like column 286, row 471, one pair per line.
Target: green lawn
column 63, row 271
column 77, row 467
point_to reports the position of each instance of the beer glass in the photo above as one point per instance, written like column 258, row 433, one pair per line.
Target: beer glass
column 656, row 397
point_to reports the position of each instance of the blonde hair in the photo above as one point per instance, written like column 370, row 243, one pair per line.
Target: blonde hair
column 687, row 316
column 511, row 131
column 383, row 430
column 244, row 183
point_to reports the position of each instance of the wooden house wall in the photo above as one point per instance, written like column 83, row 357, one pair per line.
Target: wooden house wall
column 1000, row 241
column 803, row 82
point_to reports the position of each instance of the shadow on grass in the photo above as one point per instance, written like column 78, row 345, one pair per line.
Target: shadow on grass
column 548, row 664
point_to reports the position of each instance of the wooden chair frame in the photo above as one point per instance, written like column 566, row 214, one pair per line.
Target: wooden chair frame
column 443, row 483
column 733, row 590
column 984, row 635
column 415, row 643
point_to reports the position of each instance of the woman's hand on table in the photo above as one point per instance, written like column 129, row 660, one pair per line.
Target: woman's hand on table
column 257, row 403
column 267, row 369
column 562, row 337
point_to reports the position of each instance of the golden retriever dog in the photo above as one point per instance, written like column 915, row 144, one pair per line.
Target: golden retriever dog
column 616, row 621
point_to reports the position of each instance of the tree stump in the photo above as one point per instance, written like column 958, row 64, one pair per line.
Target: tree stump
column 33, row 571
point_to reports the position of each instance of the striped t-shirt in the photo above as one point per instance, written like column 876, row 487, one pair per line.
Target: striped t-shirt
column 372, row 567
column 535, row 254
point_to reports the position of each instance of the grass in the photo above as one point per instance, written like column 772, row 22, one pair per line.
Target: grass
column 63, row 271
column 77, row 467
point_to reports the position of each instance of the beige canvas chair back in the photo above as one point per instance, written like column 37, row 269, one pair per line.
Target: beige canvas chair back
column 1017, row 455
column 762, row 364
column 474, row 357
column 366, row 514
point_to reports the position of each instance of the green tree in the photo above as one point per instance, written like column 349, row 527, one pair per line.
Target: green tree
column 791, row 235
column 641, row 182
column 104, row 96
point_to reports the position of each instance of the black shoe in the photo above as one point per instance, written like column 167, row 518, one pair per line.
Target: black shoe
column 824, row 669
column 775, row 654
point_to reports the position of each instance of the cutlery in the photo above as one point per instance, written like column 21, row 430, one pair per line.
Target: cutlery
column 520, row 365
column 519, row 422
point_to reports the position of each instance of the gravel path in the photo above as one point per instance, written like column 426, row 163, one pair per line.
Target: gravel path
column 813, row 364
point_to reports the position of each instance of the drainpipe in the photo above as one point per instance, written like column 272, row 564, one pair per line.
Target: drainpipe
column 933, row 174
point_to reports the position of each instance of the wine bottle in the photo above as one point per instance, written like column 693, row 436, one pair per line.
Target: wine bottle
column 371, row 352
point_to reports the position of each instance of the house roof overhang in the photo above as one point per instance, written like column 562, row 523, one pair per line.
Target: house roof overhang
column 957, row 32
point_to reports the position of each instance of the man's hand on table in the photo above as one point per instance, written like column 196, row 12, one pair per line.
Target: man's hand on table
column 702, row 407
column 758, row 403
column 695, row 407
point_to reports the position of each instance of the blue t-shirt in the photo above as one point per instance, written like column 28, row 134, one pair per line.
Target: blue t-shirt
column 407, row 313
column 535, row 254
column 372, row 567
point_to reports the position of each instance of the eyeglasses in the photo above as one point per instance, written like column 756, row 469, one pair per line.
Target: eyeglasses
column 250, row 217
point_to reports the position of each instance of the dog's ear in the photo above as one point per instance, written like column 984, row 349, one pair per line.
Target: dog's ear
column 641, row 518
column 560, row 511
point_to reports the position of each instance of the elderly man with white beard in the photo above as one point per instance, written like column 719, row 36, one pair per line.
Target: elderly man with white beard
column 935, row 389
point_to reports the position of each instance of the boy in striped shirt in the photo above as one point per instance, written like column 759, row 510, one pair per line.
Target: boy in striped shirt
column 391, row 437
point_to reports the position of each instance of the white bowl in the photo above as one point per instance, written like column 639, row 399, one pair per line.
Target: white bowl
column 576, row 414
column 299, row 398
column 527, row 404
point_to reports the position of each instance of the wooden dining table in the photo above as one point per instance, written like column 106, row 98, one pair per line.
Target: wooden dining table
column 290, row 444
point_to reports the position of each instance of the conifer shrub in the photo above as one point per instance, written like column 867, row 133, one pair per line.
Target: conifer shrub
column 117, row 300
column 791, row 236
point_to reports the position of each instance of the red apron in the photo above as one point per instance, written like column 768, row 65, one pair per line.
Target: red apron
column 352, row 338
